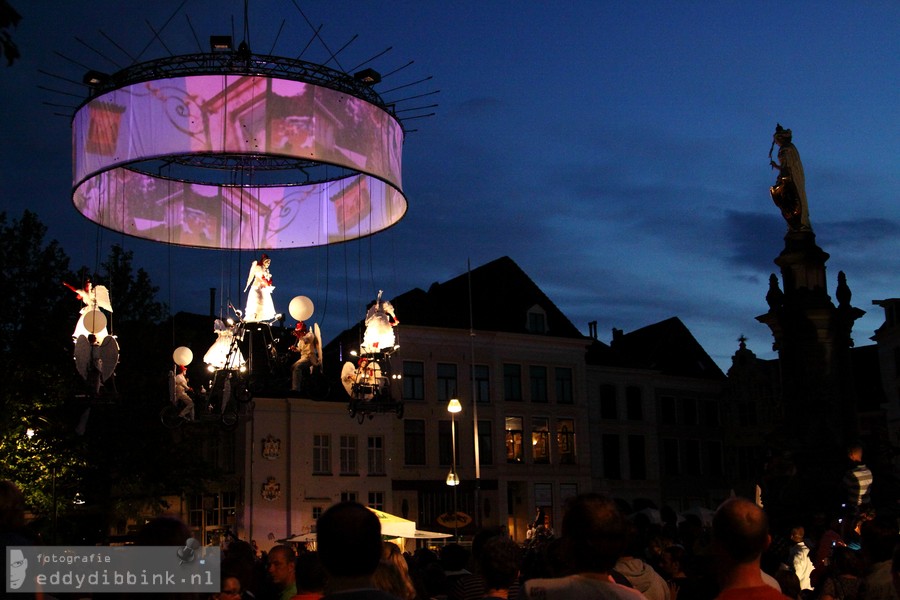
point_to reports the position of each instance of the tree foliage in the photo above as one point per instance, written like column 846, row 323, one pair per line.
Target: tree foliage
column 133, row 294
column 39, row 450
column 56, row 440
column 36, row 304
column 9, row 18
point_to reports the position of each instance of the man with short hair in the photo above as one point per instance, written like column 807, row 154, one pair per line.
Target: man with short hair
column 499, row 563
column 857, row 479
column 800, row 559
column 282, row 570
column 740, row 536
column 348, row 540
column 594, row 534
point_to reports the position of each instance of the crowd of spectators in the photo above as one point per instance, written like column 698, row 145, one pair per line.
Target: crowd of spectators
column 598, row 553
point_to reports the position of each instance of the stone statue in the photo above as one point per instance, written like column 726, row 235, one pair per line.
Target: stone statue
column 789, row 191
column 843, row 293
column 774, row 297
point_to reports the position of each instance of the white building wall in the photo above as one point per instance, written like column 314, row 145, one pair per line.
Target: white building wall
column 290, row 424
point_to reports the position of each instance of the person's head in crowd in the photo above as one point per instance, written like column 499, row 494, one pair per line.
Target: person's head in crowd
column 483, row 535
column 855, row 452
column 230, row 589
column 671, row 562
column 740, row 531
column 392, row 573
column 348, row 539
column 282, row 566
column 594, row 533
column 499, row 562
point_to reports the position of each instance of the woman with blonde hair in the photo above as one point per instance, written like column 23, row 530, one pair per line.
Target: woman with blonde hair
column 392, row 574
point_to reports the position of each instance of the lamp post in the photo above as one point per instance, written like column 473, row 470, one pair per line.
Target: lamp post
column 453, row 407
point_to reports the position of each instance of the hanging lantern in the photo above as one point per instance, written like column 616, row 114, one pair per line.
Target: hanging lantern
column 323, row 147
column 301, row 308
column 94, row 321
column 182, row 356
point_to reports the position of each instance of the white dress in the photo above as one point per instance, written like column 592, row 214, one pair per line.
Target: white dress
column 217, row 355
column 259, row 301
column 94, row 298
column 379, row 334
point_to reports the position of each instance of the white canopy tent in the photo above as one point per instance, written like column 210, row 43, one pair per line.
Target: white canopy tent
column 392, row 526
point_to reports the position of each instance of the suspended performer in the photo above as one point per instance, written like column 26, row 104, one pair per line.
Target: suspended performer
column 259, row 301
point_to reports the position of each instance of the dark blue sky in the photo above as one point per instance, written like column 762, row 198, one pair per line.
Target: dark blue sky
column 618, row 152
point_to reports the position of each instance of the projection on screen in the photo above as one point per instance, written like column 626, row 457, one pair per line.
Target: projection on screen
column 237, row 162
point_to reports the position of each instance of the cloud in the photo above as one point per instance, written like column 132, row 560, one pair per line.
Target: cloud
column 755, row 239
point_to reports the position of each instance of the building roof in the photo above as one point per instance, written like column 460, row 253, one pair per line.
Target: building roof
column 502, row 296
column 667, row 347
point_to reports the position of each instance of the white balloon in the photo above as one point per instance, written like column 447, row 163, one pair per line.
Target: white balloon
column 301, row 308
column 182, row 356
column 94, row 321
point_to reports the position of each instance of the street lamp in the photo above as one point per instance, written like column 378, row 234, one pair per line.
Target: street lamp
column 453, row 407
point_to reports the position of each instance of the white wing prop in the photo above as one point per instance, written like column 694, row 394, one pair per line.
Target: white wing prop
column 317, row 360
column 82, row 356
column 109, row 357
column 348, row 376
column 251, row 277
column 101, row 297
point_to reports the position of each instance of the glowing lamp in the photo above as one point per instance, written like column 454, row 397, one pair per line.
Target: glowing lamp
column 182, row 356
column 301, row 308
column 454, row 406
column 94, row 321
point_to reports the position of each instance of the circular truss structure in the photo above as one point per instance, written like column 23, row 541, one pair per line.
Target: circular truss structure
column 237, row 151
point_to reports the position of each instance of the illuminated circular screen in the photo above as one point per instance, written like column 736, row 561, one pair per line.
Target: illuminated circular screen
column 237, row 162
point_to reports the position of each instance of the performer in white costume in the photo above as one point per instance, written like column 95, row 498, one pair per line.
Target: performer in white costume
column 259, row 301
column 94, row 298
column 380, row 323
column 218, row 354
column 181, row 393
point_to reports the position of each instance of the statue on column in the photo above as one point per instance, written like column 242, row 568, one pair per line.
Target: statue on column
column 789, row 191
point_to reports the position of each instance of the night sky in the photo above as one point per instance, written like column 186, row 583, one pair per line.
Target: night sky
column 618, row 152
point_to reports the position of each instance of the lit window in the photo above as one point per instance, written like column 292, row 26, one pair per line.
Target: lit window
column 514, row 453
column 565, row 440
column 540, row 440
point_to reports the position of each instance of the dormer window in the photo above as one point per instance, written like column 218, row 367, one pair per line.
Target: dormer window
column 536, row 320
